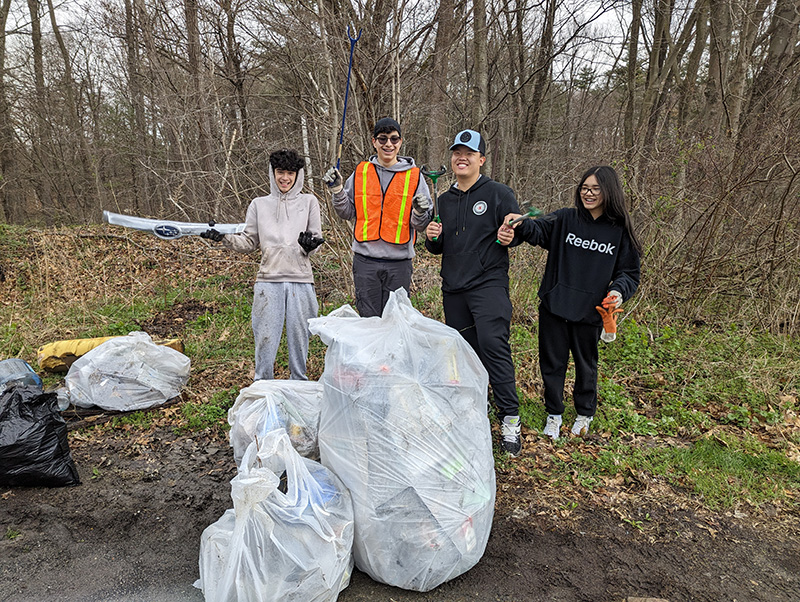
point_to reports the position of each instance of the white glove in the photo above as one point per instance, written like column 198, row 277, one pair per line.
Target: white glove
column 607, row 337
column 334, row 180
column 420, row 204
column 618, row 296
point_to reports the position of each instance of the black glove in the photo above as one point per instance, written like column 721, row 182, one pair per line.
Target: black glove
column 212, row 234
column 308, row 241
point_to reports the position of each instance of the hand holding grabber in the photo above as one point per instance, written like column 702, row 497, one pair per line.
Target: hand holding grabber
column 346, row 93
column 434, row 175
column 532, row 212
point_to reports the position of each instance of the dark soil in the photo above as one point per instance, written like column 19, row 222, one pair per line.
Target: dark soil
column 131, row 532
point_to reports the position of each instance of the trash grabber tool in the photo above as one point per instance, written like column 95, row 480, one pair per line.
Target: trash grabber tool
column 532, row 212
column 434, row 175
column 353, row 41
column 167, row 229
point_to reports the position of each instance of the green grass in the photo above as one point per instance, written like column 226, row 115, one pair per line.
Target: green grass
column 720, row 474
column 140, row 420
column 211, row 416
column 11, row 534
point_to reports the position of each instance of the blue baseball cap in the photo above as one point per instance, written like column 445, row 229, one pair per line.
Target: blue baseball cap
column 471, row 139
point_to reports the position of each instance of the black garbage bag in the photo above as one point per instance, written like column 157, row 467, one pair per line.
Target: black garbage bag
column 33, row 440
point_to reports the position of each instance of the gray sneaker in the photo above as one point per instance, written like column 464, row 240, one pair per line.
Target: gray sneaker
column 553, row 426
column 581, row 426
column 511, row 441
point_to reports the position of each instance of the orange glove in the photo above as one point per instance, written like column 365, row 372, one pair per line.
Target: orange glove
column 609, row 314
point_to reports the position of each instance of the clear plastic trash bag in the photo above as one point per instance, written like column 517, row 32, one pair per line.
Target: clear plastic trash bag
column 405, row 426
column 289, row 535
column 270, row 404
column 127, row 373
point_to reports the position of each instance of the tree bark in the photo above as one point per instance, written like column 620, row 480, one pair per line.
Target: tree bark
column 141, row 193
column 206, row 158
column 437, row 107
column 772, row 83
column 543, row 66
column 480, row 80
column 630, row 76
column 10, row 200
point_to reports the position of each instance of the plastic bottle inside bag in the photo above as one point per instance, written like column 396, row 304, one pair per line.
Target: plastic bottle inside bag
column 15, row 370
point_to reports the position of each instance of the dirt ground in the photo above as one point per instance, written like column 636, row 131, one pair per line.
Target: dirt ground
column 131, row 532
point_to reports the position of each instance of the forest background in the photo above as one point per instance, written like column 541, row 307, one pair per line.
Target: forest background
column 169, row 109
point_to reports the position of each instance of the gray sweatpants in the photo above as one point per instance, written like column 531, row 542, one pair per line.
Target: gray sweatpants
column 272, row 302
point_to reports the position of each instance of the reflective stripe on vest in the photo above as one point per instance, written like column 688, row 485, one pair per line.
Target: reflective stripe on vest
column 383, row 215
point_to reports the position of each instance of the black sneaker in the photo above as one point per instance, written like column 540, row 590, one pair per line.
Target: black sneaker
column 511, row 442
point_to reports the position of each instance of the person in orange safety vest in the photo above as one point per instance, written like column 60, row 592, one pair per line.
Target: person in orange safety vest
column 389, row 202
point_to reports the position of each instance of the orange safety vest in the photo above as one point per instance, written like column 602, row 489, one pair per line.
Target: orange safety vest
column 383, row 215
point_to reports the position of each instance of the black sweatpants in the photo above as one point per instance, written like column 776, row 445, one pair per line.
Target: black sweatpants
column 374, row 279
column 483, row 317
column 557, row 338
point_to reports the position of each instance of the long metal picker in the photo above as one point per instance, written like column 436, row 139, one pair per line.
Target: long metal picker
column 167, row 229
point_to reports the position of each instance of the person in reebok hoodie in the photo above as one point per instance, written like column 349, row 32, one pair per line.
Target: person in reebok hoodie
column 389, row 202
column 593, row 261
column 285, row 226
column 475, row 272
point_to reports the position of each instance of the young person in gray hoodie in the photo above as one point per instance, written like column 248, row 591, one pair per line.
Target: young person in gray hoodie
column 285, row 226
column 389, row 201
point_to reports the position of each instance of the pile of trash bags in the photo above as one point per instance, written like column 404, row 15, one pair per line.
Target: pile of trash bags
column 123, row 373
column 405, row 482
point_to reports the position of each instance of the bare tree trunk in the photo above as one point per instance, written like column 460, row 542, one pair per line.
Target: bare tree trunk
column 437, row 107
column 688, row 84
column 41, row 131
column 480, row 82
column 206, row 159
column 88, row 176
column 234, row 71
column 543, row 66
column 382, row 69
column 9, row 200
column 631, row 71
column 658, row 72
column 719, row 47
column 141, row 192
column 769, row 87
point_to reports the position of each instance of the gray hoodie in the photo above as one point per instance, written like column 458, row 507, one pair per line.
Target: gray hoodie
column 345, row 207
column 273, row 224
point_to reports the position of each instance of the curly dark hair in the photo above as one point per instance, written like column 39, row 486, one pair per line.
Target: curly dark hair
column 288, row 159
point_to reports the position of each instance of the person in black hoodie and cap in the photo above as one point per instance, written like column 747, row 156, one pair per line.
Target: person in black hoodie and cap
column 475, row 272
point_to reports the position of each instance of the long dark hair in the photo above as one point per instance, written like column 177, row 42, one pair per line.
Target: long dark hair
column 613, row 199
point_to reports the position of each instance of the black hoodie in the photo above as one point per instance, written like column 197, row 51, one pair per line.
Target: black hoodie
column 586, row 259
column 471, row 256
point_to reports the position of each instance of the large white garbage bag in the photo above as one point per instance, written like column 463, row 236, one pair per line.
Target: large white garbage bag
column 127, row 373
column 269, row 404
column 405, row 426
column 289, row 535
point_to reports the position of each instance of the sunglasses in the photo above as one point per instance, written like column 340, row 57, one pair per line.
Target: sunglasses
column 385, row 139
